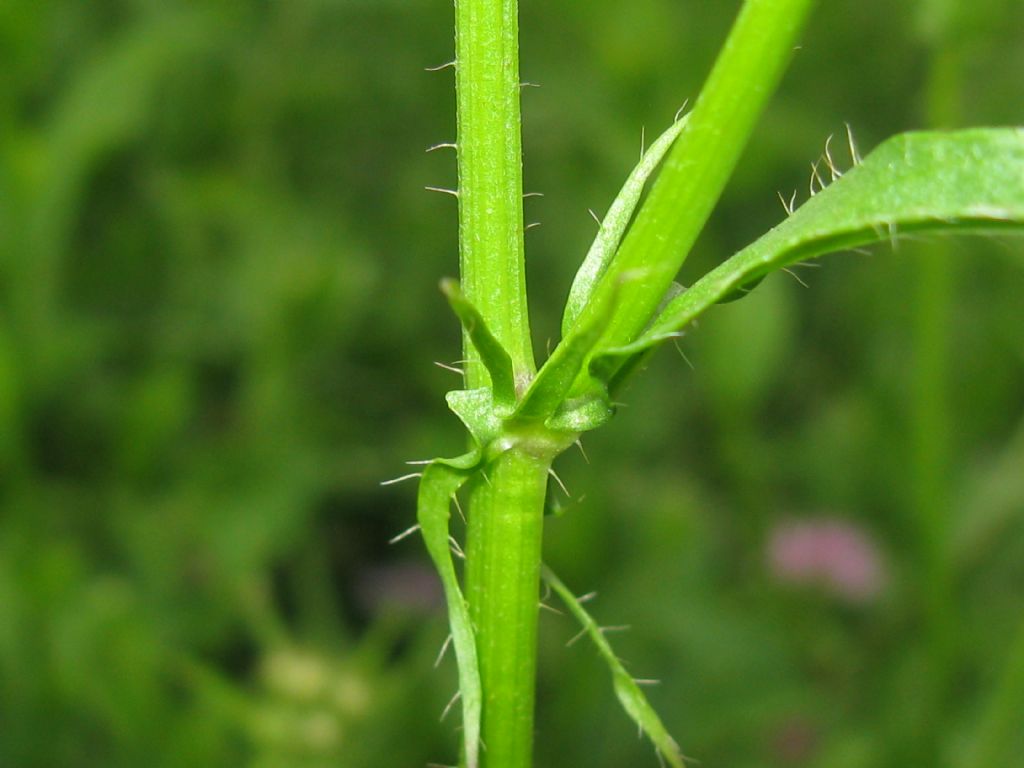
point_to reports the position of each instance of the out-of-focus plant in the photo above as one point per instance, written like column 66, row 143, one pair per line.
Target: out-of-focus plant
column 623, row 304
column 183, row 292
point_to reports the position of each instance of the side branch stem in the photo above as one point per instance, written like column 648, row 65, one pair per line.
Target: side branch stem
column 744, row 77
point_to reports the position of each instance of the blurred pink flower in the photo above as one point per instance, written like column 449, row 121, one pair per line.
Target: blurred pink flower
column 399, row 586
column 795, row 741
column 832, row 553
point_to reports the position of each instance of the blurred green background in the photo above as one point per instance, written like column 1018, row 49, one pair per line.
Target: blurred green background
column 218, row 318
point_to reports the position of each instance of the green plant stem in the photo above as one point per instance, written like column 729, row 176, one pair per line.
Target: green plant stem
column 506, row 505
column 745, row 75
column 502, row 576
column 932, row 294
column 935, row 281
column 491, row 179
column 933, row 287
column 933, row 301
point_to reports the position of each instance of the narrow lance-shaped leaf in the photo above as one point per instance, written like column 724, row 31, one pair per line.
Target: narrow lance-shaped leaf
column 696, row 169
column 492, row 354
column 613, row 226
column 936, row 182
column 437, row 487
column 626, row 688
column 613, row 370
column 556, row 377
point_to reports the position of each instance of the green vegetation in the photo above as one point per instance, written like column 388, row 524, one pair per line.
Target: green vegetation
column 218, row 314
column 619, row 307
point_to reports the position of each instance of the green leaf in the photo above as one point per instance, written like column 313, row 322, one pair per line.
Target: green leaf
column 475, row 409
column 696, row 169
column 556, row 377
column 437, row 487
column 626, row 688
column 582, row 414
column 613, row 369
column 492, row 354
column 613, row 227
column 742, row 292
column 936, row 182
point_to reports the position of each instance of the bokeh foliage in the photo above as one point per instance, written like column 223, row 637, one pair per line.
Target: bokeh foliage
column 218, row 313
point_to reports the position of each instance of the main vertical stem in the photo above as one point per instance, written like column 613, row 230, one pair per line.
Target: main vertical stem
column 502, row 574
column 491, row 178
column 507, row 504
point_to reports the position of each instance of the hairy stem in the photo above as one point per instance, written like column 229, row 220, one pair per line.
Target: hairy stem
column 502, row 574
column 491, row 178
column 507, row 502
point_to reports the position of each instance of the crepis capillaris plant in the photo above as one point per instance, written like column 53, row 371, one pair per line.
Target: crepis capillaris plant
column 623, row 304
